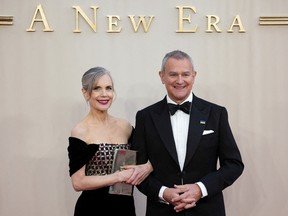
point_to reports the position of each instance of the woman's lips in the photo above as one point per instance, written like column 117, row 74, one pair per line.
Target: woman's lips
column 103, row 102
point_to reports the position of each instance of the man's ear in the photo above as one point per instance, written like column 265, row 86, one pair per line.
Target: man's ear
column 161, row 74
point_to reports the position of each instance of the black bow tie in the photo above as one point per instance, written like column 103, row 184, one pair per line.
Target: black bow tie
column 185, row 107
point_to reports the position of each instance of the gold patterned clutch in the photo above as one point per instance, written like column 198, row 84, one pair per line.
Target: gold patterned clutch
column 122, row 157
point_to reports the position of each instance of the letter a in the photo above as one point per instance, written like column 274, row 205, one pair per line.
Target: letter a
column 42, row 19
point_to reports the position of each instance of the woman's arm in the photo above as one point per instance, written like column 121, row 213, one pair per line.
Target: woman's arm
column 82, row 182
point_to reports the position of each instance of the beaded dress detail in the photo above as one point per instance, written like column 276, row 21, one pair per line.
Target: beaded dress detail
column 101, row 162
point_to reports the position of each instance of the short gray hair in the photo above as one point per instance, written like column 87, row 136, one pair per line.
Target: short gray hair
column 176, row 54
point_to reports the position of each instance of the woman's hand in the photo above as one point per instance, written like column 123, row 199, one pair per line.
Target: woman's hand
column 124, row 175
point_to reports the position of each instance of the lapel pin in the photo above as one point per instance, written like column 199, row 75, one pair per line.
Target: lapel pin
column 202, row 122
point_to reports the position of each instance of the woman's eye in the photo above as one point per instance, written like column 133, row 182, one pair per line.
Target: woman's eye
column 96, row 88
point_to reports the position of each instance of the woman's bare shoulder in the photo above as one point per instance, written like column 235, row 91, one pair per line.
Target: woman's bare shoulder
column 79, row 130
column 123, row 123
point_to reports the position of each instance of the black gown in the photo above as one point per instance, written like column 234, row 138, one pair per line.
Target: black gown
column 98, row 159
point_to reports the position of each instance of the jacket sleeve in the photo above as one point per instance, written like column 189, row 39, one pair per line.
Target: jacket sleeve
column 150, row 186
column 230, row 161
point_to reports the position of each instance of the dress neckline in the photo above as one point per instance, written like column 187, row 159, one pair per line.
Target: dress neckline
column 82, row 141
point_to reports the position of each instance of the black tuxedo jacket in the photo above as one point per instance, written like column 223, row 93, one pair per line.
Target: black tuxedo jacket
column 212, row 158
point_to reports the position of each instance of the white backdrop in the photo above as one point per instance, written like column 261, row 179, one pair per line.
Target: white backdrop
column 41, row 98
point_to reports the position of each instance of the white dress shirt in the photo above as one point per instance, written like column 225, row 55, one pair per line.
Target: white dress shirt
column 180, row 124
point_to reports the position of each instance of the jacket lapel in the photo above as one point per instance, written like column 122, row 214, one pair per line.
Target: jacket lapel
column 161, row 120
column 198, row 117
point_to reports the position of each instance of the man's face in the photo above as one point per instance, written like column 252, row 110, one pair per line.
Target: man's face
column 178, row 78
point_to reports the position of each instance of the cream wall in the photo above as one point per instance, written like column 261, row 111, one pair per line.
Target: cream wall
column 41, row 97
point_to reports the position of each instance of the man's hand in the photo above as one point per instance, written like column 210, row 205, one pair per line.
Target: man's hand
column 189, row 195
column 140, row 172
column 171, row 194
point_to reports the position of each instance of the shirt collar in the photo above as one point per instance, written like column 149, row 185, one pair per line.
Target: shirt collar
column 189, row 98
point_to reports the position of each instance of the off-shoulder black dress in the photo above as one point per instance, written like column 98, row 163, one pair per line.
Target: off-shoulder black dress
column 98, row 159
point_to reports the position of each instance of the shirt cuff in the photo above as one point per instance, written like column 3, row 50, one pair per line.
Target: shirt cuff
column 160, row 195
column 202, row 188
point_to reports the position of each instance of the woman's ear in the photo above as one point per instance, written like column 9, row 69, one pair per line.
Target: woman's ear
column 85, row 94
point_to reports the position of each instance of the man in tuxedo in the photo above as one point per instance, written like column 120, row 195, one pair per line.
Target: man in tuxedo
column 190, row 145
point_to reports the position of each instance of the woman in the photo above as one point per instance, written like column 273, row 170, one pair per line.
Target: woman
column 91, row 147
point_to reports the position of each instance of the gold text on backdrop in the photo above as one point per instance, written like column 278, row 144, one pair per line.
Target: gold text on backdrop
column 184, row 21
column 185, row 24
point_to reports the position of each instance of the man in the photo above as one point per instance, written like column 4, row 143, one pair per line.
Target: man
column 184, row 147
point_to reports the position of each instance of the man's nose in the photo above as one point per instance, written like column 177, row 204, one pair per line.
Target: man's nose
column 179, row 79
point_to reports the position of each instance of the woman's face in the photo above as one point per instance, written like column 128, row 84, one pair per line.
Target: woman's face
column 102, row 94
